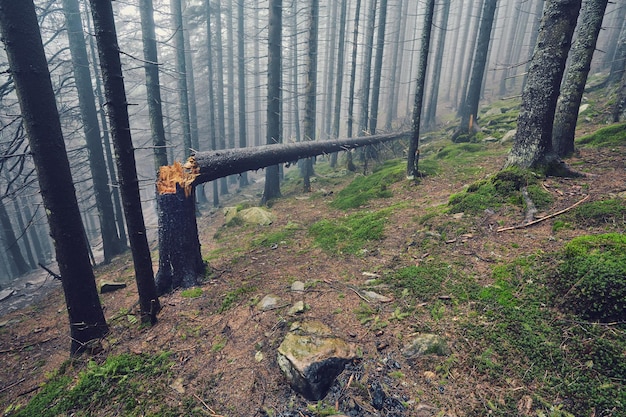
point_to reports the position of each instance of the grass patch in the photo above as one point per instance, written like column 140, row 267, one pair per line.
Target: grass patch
column 191, row 293
column 598, row 213
column 579, row 366
column 270, row 239
column 350, row 234
column 116, row 387
column 234, row 296
column 365, row 188
column 613, row 135
column 591, row 281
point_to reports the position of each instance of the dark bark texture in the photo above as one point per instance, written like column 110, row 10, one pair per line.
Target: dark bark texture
column 310, row 92
column 180, row 260
column 272, row 184
column 117, row 109
column 413, row 155
column 619, row 111
column 29, row 69
column 13, row 252
column 218, row 164
column 153, row 89
column 532, row 148
column 576, row 77
column 110, row 240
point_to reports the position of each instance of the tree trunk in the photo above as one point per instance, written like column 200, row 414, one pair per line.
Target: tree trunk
column 294, row 71
column 180, row 260
column 25, row 238
column 10, row 241
column 366, row 78
column 614, row 35
column 430, row 119
column 619, row 111
column 111, row 243
column 350, row 164
column 478, row 69
column 211, row 93
column 241, row 87
column 29, row 69
column 619, row 58
column 272, row 183
column 378, row 66
column 310, row 92
column 534, row 33
column 465, row 61
column 220, row 103
column 532, row 148
column 339, row 79
column 213, row 165
column 413, row 155
column 573, row 87
column 181, row 74
column 331, row 47
column 111, row 67
column 153, row 88
column 119, row 214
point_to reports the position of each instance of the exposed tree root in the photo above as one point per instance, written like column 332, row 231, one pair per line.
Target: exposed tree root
column 531, row 210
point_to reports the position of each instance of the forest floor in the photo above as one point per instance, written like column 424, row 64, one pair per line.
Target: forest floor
column 213, row 352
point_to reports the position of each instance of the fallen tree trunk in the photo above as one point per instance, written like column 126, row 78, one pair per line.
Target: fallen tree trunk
column 180, row 260
column 212, row 165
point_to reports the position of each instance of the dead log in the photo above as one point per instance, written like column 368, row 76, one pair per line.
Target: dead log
column 212, row 165
column 180, row 260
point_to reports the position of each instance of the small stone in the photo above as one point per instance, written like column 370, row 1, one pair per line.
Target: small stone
column 378, row 395
column 377, row 297
column 297, row 308
column 259, row 356
column 458, row 216
column 425, row 344
column 106, row 287
column 268, row 302
column 177, row 386
column 508, row 136
column 297, row 286
column 382, row 345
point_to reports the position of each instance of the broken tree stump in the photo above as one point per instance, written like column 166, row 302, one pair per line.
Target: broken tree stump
column 180, row 260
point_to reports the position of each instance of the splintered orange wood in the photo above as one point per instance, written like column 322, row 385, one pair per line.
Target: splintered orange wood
column 182, row 175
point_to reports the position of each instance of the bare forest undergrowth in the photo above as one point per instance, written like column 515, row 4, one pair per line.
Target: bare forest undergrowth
column 214, row 336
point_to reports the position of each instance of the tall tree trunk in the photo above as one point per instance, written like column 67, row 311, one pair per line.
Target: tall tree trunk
column 378, row 66
column 119, row 213
column 310, row 91
column 220, row 102
column 328, row 87
column 258, row 107
column 396, row 63
column 430, row 119
column 355, row 43
column 576, row 77
column 181, row 74
column 452, row 61
column 10, row 240
column 110, row 240
column 25, row 238
column 230, row 89
column 153, row 87
column 272, row 183
column 294, row 71
column 29, row 69
column 366, row 78
column 212, row 130
column 534, row 33
column 32, row 231
column 478, row 69
column 413, row 156
column 241, row 87
column 619, row 59
column 339, row 79
column 111, row 67
column 619, row 111
column 614, row 34
column 465, row 61
column 532, row 148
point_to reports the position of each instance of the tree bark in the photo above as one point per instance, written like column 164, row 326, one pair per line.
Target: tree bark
column 478, row 69
column 366, row 78
column 241, row 65
column 181, row 74
column 430, row 119
column 111, row 68
column 413, row 156
column 13, row 251
column 378, row 66
column 211, row 93
column 29, row 69
column 220, row 102
column 272, row 184
column 619, row 111
column 339, row 79
column 153, row 88
column 111, row 243
column 310, row 92
column 532, row 148
column 573, row 87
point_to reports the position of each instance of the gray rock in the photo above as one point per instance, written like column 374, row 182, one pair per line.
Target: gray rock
column 297, row 286
column 4, row 294
column 508, row 136
column 311, row 357
column 373, row 296
column 297, row 308
column 426, row 344
column 268, row 302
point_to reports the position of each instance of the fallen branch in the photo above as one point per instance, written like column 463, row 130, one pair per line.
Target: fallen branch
column 18, row 348
column 521, row 226
column 211, row 412
column 12, row 385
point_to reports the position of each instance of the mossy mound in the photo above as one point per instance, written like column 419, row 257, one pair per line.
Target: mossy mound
column 503, row 187
column 613, row 135
column 599, row 213
column 591, row 281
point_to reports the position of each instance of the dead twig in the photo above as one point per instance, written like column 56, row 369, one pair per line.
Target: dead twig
column 211, row 412
column 17, row 349
column 12, row 385
column 521, row 226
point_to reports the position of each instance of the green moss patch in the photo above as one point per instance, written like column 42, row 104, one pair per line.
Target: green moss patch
column 365, row 188
column 599, row 213
column 591, row 281
column 614, row 135
column 349, row 234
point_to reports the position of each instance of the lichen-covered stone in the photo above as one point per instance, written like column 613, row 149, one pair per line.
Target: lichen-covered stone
column 425, row 344
column 311, row 357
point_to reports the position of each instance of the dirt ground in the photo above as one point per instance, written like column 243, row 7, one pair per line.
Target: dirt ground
column 216, row 353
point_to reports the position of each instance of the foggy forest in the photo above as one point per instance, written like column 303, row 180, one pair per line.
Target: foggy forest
column 128, row 127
